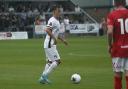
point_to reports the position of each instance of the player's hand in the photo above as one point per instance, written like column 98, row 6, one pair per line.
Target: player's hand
column 110, row 49
column 55, row 41
column 65, row 42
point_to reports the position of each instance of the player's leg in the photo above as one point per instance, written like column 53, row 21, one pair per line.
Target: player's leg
column 48, row 62
column 118, row 69
column 126, row 72
column 118, row 80
column 47, row 65
column 52, row 66
column 126, row 76
column 55, row 58
column 43, row 79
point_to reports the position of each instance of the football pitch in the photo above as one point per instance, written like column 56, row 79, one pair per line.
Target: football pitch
column 22, row 62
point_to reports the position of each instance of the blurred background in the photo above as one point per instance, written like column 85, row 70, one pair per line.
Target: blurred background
column 79, row 17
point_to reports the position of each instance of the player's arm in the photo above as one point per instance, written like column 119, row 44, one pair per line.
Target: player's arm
column 110, row 36
column 49, row 32
column 63, row 40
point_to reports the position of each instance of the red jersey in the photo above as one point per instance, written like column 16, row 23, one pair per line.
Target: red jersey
column 119, row 20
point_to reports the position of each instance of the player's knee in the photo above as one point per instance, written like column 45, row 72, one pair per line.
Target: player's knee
column 118, row 74
column 58, row 62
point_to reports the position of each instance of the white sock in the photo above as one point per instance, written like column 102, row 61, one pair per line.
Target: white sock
column 51, row 68
column 46, row 68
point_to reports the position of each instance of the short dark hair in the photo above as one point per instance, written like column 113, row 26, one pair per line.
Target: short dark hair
column 120, row 2
column 55, row 7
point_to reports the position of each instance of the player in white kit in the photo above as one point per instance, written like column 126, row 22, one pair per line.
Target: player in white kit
column 52, row 55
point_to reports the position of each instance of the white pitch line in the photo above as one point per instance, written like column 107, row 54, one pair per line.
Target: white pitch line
column 85, row 55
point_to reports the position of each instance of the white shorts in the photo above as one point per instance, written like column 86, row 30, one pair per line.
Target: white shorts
column 52, row 54
column 120, row 64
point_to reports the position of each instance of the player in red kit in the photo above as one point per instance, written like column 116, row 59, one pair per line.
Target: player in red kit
column 117, row 23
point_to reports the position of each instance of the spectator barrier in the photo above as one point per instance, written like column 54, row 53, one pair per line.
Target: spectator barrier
column 13, row 35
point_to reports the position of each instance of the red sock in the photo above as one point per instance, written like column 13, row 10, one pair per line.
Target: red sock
column 126, row 82
column 118, row 83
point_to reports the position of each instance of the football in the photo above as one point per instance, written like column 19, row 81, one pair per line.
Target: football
column 76, row 78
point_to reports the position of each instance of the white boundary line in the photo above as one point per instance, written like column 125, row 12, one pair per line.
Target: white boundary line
column 86, row 55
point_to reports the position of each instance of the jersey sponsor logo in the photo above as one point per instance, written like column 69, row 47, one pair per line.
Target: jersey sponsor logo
column 126, row 46
column 9, row 34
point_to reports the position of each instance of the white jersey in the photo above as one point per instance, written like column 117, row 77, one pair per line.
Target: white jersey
column 54, row 25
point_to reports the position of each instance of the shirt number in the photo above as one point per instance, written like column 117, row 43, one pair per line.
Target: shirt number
column 123, row 25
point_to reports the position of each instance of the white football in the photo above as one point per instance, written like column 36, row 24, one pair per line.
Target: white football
column 75, row 78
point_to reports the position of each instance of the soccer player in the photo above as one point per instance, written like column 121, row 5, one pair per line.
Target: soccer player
column 52, row 55
column 117, row 23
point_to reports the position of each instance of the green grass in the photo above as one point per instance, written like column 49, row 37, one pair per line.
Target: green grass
column 22, row 62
